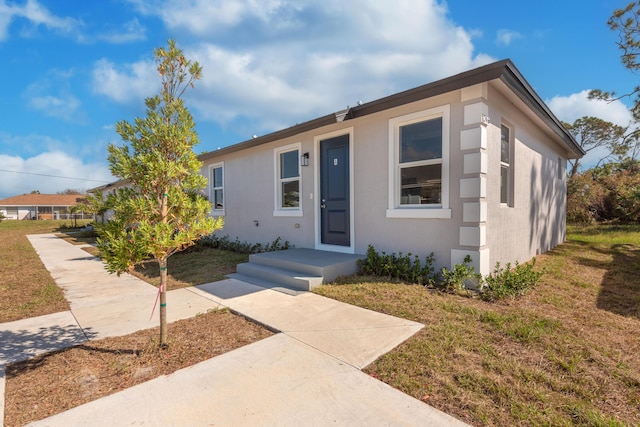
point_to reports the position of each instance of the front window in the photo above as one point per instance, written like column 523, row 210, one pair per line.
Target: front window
column 419, row 169
column 288, row 182
column 505, row 165
column 420, row 166
column 216, row 185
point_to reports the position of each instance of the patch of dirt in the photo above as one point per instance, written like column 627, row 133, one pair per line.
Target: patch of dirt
column 56, row 382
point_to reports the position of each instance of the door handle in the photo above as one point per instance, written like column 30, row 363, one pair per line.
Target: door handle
column 323, row 204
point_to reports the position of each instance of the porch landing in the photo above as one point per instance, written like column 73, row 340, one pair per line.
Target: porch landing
column 296, row 269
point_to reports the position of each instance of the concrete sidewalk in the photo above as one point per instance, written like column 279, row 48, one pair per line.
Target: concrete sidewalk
column 309, row 374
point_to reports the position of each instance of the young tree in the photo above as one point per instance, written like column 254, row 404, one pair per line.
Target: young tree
column 592, row 133
column 161, row 210
column 74, row 211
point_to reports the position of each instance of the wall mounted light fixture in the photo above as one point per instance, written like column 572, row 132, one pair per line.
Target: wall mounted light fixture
column 304, row 159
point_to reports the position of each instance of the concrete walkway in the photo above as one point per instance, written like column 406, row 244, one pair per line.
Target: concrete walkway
column 309, row 374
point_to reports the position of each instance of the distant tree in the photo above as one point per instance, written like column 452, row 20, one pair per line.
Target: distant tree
column 626, row 22
column 35, row 192
column 592, row 133
column 162, row 209
column 71, row 191
column 604, row 193
column 98, row 205
column 77, row 209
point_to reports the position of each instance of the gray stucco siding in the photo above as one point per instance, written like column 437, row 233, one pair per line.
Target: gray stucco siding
column 536, row 221
column 478, row 224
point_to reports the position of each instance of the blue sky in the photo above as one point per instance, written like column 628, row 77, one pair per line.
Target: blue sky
column 72, row 69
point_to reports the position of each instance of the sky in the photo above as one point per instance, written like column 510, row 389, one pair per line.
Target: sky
column 72, row 69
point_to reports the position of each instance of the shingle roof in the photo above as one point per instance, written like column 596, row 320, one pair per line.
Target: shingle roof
column 43, row 200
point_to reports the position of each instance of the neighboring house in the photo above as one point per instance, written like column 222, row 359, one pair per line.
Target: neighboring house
column 474, row 164
column 42, row 206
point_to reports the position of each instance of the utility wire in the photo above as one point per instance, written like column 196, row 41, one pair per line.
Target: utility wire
column 54, row 176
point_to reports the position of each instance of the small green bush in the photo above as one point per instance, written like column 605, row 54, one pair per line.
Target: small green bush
column 400, row 266
column 460, row 278
column 227, row 244
column 510, row 283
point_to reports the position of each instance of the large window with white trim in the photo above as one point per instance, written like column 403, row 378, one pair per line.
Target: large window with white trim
column 419, row 156
column 288, row 180
column 216, row 188
column 420, row 164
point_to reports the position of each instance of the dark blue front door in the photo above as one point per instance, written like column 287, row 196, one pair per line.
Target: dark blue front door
column 335, row 220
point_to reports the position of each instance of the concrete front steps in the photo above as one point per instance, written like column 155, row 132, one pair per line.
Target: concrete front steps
column 296, row 269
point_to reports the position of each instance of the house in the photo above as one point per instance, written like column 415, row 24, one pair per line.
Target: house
column 42, row 206
column 473, row 164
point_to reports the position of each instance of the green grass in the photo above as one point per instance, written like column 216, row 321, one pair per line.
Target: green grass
column 26, row 287
column 564, row 354
column 193, row 267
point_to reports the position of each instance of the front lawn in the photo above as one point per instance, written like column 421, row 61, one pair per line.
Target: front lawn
column 565, row 354
column 26, row 287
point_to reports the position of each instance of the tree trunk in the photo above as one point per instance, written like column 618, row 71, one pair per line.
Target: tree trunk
column 574, row 167
column 163, row 302
column 163, row 277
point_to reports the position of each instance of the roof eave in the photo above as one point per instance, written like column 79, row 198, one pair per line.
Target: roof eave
column 521, row 88
column 503, row 70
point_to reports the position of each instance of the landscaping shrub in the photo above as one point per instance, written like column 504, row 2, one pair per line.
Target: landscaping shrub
column 227, row 244
column 399, row 266
column 501, row 283
column 460, row 278
column 510, row 283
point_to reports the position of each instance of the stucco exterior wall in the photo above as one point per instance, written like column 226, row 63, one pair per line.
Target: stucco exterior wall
column 536, row 221
column 478, row 223
column 420, row 236
column 249, row 188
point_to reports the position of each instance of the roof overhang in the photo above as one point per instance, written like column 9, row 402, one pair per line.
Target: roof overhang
column 504, row 71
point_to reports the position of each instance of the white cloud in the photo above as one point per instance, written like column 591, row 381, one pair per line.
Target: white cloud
column 290, row 61
column 36, row 15
column 131, row 31
column 126, row 84
column 572, row 107
column 49, row 166
column 207, row 17
column 53, row 96
column 505, row 37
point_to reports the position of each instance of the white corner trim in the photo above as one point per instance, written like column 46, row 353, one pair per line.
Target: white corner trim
column 474, row 113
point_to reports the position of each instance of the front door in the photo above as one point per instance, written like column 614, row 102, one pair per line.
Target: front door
column 335, row 219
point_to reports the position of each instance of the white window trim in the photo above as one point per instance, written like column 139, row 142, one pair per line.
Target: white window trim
column 277, row 193
column 395, row 210
column 214, row 211
column 510, row 177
